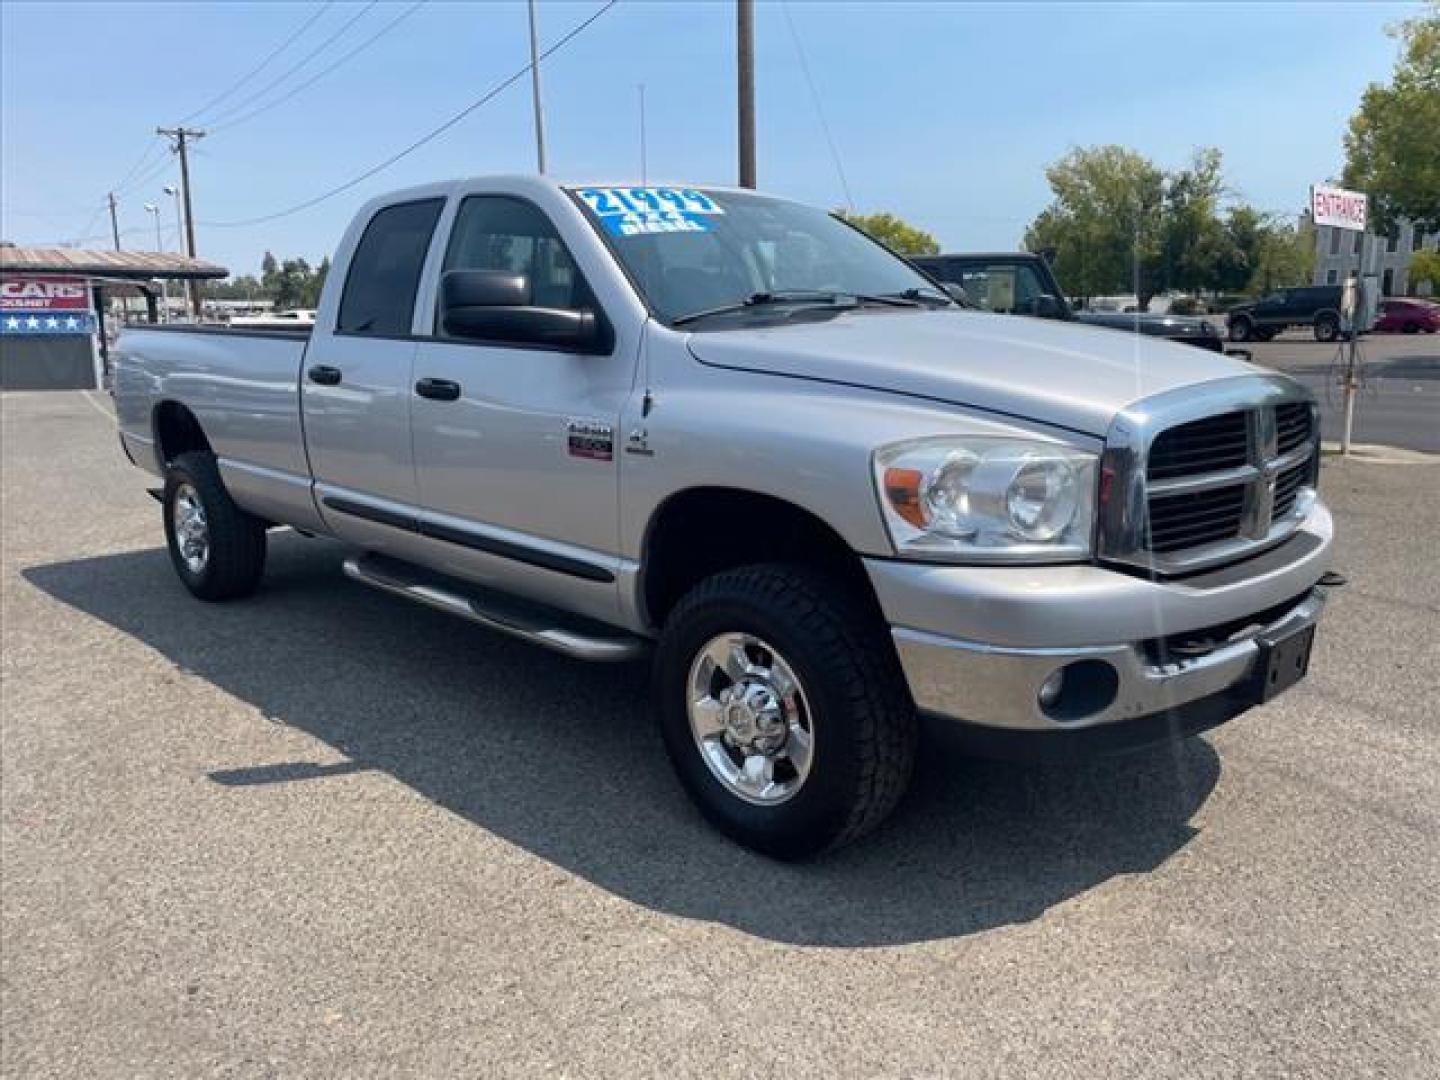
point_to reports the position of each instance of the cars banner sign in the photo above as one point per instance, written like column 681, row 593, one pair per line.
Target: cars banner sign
column 1338, row 208
column 45, row 305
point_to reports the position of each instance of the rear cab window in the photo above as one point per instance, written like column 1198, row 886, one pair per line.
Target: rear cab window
column 384, row 274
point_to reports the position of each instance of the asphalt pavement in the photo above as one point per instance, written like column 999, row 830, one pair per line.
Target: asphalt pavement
column 1399, row 399
column 322, row 833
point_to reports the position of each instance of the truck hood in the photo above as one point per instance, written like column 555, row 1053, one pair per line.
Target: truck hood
column 1036, row 369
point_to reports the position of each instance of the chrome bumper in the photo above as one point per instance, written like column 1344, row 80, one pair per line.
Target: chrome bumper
column 1000, row 687
column 978, row 643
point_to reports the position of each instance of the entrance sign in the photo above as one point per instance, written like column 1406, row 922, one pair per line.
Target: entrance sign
column 1338, row 208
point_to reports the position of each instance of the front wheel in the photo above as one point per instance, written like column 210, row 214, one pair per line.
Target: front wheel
column 218, row 550
column 784, row 710
column 1241, row 329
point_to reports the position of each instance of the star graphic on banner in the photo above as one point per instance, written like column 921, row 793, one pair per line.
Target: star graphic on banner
column 12, row 324
column 33, row 323
column 51, row 323
column 71, row 323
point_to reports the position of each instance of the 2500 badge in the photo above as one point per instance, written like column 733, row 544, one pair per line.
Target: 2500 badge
column 593, row 439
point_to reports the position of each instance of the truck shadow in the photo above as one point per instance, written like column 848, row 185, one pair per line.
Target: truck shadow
column 560, row 758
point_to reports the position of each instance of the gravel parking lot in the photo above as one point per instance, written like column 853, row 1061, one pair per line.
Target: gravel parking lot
column 323, row 833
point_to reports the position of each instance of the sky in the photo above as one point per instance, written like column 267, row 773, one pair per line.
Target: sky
column 946, row 114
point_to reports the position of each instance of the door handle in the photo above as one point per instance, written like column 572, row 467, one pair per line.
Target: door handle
column 438, row 389
column 324, row 374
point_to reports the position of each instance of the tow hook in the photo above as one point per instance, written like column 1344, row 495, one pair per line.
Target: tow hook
column 1332, row 579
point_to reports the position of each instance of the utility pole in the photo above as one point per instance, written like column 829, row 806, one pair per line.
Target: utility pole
column 535, row 91
column 181, row 135
column 745, row 42
column 114, row 222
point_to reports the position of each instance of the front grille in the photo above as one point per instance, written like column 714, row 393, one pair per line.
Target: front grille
column 1216, row 442
column 1200, row 517
column 1287, row 487
column 1199, row 491
column 1292, row 426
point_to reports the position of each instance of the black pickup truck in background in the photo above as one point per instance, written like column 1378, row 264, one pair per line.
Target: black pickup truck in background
column 1022, row 283
column 1315, row 306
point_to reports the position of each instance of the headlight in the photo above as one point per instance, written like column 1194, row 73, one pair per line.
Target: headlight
column 987, row 500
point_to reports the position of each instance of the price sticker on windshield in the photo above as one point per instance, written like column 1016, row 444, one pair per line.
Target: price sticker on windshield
column 644, row 211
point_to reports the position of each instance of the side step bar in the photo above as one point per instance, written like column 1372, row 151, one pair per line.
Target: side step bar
column 574, row 636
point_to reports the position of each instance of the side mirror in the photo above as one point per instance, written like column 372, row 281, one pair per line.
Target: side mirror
column 492, row 305
column 1045, row 306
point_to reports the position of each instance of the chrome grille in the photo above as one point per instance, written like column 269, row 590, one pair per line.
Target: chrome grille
column 1293, row 426
column 1216, row 442
column 1207, row 475
column 1198, row 517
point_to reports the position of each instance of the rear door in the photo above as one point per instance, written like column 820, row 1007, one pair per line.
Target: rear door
column 358, row 372
column 520, row 468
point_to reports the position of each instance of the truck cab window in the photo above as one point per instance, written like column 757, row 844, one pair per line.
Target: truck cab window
column 384, row 276
column 1005, row 288
column 499, row 233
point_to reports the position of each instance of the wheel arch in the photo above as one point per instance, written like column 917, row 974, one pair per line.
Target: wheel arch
column 700, row 531
column 176, row 431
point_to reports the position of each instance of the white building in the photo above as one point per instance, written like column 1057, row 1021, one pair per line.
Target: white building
column 1388, row 258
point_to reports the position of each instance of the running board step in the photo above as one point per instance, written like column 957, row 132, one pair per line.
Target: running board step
column 572, row 635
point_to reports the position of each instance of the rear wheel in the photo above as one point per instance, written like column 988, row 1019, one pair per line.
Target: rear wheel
column 784, row 710
column 217, row 549
column 1241, row 328
column 1327, row 328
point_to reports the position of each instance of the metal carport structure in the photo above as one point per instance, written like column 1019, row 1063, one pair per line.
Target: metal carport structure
column 52, row 309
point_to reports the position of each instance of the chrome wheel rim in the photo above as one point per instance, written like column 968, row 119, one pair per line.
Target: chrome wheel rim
column 751, row 719
column 192, row 530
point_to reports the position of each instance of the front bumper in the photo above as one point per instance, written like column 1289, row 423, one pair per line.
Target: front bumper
column 977, row 644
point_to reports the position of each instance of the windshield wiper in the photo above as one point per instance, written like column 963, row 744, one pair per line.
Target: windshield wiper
column 924, row 296
column 772, row 299
column 809, row 297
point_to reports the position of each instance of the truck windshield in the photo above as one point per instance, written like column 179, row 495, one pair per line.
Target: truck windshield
column 695, row 254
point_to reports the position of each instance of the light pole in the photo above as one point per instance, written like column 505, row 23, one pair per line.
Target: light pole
column 154, row 211
column 174, row 193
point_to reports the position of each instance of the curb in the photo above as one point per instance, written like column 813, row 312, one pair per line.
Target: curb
column 1375, row 454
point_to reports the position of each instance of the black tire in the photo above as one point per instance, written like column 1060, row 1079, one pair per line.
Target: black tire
column 235, row 558
column 1241, row 328
column 1327, row 328
column 1266, row 335
column 863, row 720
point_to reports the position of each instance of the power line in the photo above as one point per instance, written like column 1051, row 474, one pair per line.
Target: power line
column 260, row 66
column 227, row 113
column 150, row 147
column 324, row 71
column 819, row 111
column 493, row 92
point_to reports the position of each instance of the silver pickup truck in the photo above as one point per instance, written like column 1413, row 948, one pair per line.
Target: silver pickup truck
column 733, row 432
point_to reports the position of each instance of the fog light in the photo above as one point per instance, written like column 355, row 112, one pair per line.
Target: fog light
column 1050, row 689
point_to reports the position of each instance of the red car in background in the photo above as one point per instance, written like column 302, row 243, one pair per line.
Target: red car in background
column 1409, row 316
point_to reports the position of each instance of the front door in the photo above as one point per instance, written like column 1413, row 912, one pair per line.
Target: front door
column 356, row 384
column 521, row 464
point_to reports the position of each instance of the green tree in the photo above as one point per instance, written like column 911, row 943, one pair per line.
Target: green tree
column 1392, row 149
column 1194, row 242
column 1104, row 223
column 896, row 234
column 310, row 295
column 1284, row 255
column 269, row 274
column 292, row 284
column 1425, row 268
